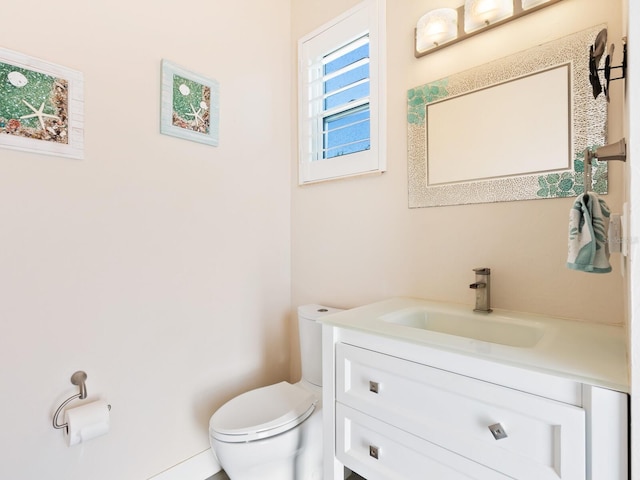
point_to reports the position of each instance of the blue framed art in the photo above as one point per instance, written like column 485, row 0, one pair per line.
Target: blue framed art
column 190, row 105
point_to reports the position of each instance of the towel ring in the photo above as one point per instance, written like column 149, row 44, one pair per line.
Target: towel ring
column 613, row 151
column 78, row 378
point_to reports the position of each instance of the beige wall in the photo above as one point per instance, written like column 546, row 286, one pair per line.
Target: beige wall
column 355, row 241
column 158, row 265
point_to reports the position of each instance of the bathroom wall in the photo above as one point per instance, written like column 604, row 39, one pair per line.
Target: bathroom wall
column 631, row 10
column 159, row 266
column 355, row 241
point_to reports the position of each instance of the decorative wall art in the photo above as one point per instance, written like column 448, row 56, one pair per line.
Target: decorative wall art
column 513, row 129
column 41, row 106
column 190, row 106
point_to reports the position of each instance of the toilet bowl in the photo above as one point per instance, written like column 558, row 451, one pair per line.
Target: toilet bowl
column 275, row 432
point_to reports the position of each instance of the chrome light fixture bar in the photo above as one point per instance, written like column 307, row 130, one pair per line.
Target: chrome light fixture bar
column 442, row 27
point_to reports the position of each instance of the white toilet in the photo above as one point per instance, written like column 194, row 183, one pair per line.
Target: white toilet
column 275, row 432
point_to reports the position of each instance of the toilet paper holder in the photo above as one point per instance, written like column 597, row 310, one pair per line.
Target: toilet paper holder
column 78, row 378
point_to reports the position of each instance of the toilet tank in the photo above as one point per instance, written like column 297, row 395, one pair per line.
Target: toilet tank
column 310, row 335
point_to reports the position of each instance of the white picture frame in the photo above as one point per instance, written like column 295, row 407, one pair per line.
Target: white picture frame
column 41, row 106
column 190, row 105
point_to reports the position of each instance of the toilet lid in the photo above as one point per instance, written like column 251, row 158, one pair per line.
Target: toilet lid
column 262, row 413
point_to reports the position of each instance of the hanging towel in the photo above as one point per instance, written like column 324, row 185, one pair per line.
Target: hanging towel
column 588, row 226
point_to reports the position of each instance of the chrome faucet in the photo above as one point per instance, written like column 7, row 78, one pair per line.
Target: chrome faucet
column 482, row 286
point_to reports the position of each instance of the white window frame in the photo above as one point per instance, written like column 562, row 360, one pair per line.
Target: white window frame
column 366, row 16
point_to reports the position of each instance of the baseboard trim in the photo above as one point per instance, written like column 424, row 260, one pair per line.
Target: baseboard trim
column 199, row 467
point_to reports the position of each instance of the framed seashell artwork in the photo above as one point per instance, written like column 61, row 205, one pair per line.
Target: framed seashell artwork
column 41, row 106
column 190, row 105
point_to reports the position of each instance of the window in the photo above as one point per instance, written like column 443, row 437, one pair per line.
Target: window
column 341, row 97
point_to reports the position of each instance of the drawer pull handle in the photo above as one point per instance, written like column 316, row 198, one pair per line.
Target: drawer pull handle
column 497, row 431
column 374, row 387
column 374, row 451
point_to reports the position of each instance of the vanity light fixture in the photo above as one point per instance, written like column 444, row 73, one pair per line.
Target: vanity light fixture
column 445, row 26
column 436, row 28
column 482, row 13
column 527, row 4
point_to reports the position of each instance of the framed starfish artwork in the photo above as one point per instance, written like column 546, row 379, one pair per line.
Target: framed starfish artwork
column 190, row 105
column 41, row 106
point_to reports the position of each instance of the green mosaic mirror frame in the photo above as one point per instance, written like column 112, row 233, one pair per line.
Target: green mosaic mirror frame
column 588, row 128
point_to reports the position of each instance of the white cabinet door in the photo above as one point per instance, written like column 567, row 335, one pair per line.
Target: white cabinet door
column 542, row 439
column 381, row 452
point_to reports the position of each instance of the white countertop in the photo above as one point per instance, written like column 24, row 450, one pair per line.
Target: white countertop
column 590, row 353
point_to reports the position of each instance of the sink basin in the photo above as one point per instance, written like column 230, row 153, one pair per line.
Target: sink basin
column 490, row 328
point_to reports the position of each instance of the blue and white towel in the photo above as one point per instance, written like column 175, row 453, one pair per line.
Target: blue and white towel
column 588, row 242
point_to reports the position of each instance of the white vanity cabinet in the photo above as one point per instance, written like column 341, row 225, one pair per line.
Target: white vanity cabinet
column 399, row 409
column 456, row 413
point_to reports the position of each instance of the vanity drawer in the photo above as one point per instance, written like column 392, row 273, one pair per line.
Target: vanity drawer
column 545, row 439
column 379, row 451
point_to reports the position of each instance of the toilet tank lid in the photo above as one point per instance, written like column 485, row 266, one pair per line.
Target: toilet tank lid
column 262, row 413
column 314, row 311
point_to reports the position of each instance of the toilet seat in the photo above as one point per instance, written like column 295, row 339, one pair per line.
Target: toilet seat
column 262, row 413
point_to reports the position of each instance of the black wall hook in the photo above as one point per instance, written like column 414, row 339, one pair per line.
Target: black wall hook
column 595, row 54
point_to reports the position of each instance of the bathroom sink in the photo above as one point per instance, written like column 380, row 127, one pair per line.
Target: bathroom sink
column 492, row 328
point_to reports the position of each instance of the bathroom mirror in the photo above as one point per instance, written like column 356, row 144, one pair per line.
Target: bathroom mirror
column 512, row 129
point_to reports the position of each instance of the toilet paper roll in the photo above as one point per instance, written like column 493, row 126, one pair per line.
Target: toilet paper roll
column 87, row 421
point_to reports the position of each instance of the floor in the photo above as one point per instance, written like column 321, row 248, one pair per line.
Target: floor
column 223, row 476
column 219, row 476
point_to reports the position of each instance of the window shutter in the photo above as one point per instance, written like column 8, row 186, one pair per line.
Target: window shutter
column 339, row 116
column 345, row 102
